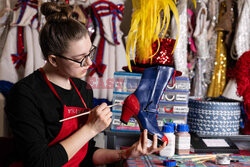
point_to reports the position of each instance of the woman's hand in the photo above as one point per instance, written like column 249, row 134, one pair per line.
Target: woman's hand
column 99, row 118
column 140, row 147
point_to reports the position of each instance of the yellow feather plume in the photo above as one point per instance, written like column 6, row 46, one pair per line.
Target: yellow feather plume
column 147, row 25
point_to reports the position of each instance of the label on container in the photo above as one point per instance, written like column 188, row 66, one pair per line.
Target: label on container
column 178, row 121
column 181, row 97
column 116, row 122
column 169, row 150
column 118, row 101
column 180, row 109
column 183, row 86
column 171, row 140
column 182, row 143
column 130, row 124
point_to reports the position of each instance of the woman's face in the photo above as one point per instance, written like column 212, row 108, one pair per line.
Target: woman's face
column 77, row 50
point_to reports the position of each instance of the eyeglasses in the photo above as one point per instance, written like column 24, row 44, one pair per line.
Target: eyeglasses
column 91, row 55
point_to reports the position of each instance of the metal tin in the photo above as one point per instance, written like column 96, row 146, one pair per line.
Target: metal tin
column 222, row 160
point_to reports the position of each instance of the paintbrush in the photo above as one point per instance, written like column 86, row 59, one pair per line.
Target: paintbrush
column 85, row 113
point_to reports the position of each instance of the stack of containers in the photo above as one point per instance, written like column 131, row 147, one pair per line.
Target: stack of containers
column 173, row 106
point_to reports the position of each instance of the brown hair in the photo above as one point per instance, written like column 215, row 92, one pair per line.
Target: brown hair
column 59, row 29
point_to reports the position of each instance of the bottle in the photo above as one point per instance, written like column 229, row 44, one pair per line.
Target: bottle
column 183, row 139
column 169, row 150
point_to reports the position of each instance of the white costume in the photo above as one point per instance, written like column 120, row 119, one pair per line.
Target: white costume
column 111, row 55
column 6, row 15
column 180, row 52
column 21, row 53
column 200, row 35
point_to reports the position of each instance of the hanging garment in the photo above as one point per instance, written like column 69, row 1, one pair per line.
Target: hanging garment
column 192, row 51
column 180, row 52
column 111, row 55
column 13, row 71
column 241, row 43
column 201, row 78
column 6, row 15
column 217, row 85
column 21, row 53
column 242, row 34
column 24, row 12
column 218, row 82
column 213, row 13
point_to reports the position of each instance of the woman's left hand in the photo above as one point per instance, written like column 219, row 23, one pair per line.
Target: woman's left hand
column 141, row 146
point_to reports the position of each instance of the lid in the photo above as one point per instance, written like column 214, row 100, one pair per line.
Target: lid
column 182, row 128
column 171, row 124
column 169, row 162
column 167, row 129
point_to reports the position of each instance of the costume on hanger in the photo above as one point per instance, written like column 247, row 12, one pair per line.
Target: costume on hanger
column 241, row 43
column 22, row 54
column 180, row 52
column 6, row 15
column 191, row 26
column 200, row 82
column 111, row 55
column 242, row 35
column 213, row 13
column 218, row 82
column 191, row 44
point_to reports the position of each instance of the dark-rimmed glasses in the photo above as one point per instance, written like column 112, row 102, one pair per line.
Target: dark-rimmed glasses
column 91, row 55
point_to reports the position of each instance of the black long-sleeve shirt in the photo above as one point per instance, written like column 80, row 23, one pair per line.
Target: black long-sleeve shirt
column 34, row 113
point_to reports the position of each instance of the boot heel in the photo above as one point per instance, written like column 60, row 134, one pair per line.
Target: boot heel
column 127, row 113
column 159, row 141
column 130, row 107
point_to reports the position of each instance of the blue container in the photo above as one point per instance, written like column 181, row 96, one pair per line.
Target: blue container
column 218, row 117
column 169, row 162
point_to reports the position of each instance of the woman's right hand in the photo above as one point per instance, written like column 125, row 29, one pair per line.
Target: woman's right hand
column 99, row 118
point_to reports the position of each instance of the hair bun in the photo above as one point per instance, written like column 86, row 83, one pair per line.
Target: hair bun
column 53, row 11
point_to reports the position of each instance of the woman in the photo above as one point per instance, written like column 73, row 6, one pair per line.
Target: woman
column 37, row 103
